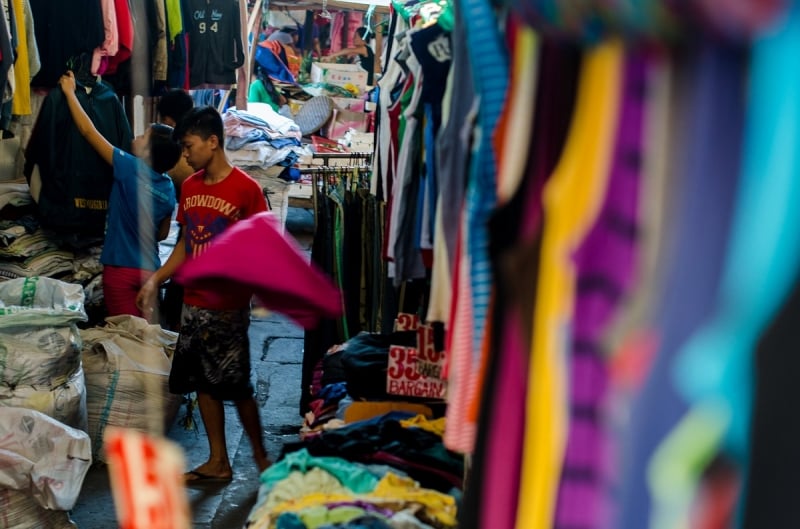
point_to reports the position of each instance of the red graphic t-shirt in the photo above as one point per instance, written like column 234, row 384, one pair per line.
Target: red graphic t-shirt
column 205, row 211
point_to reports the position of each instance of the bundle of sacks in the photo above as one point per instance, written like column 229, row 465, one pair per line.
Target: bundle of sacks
column 40, row 346
column 127, row 364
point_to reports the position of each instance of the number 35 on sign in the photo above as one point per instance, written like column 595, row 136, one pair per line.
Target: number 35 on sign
column 416, row 371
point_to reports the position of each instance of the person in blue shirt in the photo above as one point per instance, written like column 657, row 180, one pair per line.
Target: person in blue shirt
column 140, row 206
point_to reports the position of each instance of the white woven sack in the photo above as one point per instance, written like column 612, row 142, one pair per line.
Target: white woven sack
column 42, row 457
column 20, row 511
column 127, row 365
column 65, row 403
column 39, row 340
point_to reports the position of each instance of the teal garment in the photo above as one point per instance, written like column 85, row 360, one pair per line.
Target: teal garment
column 258, row 94
column 716, row 367
column 353, row 476
column 289, row 520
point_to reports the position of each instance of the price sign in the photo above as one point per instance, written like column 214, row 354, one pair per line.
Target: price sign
column 406, row 322
column 416, row 371
column 146, row 481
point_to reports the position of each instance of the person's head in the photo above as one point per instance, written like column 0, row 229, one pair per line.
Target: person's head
column 362, row 36
column 201, row 136
column 292, row 32
column 173, row 105
column 157, row 147
column 287, row 35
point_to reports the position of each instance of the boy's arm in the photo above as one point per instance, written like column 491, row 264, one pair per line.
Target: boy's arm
column 147, row 297
column 82, row 121
column 163, row 228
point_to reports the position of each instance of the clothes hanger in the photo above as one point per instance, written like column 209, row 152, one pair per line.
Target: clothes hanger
column 325, row 13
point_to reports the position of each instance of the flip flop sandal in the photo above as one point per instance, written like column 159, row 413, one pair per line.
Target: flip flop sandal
column 199, row 478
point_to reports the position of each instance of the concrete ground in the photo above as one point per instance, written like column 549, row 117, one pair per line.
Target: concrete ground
column 277, row 355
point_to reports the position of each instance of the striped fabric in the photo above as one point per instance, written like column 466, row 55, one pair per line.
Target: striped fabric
column 488, row 56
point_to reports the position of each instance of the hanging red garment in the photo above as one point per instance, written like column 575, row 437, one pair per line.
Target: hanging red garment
column 125, row 33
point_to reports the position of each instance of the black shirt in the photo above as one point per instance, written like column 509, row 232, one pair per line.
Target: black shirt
column 368, row 63
column 215, row 42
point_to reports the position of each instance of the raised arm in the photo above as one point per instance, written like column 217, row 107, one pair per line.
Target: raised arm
column 82, row 121
column 347, row 52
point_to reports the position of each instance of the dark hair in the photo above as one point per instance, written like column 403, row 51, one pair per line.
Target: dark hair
column 164, row 152
column 201, row 121
column 174, row 104
column 365, row 33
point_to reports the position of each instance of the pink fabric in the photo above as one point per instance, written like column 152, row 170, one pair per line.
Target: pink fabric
column 125, row 32
column 110, row 45
column 347, row 25
column 506, row 429
column 252, row 256
column 205, row 212
column 120, row 287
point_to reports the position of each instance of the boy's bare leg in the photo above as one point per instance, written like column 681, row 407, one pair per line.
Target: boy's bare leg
column 218, row 464
column 251, row 421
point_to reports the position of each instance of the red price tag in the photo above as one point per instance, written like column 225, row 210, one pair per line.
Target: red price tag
column 146, row 481
column 406, row 322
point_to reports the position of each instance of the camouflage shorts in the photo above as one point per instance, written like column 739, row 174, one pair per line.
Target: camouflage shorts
column 213, row 354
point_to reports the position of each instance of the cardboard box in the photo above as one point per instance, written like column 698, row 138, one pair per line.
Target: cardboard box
column 339, row 74
column 362, row 142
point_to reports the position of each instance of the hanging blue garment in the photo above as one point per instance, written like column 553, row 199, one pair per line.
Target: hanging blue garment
column 708, row 123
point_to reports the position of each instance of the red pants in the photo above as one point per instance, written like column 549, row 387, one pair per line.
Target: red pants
column 120, row 287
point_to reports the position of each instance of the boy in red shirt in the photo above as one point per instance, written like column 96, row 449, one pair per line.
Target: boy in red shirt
column 212, row 357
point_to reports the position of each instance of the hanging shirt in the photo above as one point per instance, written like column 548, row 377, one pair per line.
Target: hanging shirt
column 110, row 45
column 215, row 42
column 26, row 48
column 572, row 198
column 174, row 19
column 76, row 181
column 63, row 30
column 160, row 54
column 125, row 36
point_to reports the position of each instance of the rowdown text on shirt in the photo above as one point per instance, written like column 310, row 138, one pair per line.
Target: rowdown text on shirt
column 212, row 202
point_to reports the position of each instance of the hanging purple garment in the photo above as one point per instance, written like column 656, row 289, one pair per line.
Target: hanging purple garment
column 604, row 263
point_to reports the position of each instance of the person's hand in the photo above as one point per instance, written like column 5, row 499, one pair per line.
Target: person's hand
column 327, row 58
column 146, row 298
column 67, row 82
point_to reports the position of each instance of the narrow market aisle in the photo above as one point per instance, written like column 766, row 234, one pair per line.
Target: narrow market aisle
column 277, row 355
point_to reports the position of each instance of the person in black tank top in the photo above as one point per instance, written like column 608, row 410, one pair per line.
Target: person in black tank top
column 360, row 49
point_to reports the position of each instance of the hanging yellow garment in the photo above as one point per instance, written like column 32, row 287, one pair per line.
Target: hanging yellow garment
column 572, row 199
column 21, row 103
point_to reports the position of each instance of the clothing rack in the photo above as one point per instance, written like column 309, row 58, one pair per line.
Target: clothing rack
column 364, row 157
column 320, row 173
